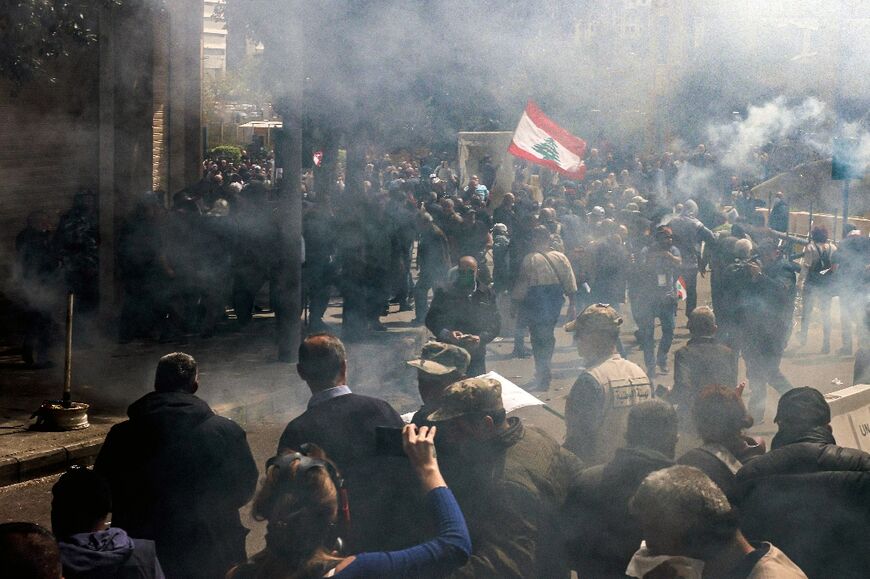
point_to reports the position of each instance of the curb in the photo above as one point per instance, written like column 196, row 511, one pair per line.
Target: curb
column 30, row 464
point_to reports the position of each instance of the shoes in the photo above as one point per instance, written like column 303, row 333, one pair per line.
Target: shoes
column 521, row 353
column 406, row 307
column 826, row 348
column 664, row 368
column 379, row 327
column 418, row 322
column 845, row 351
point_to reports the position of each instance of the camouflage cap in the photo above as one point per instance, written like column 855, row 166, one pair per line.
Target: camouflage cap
column 438, row 358
column 596, row 318
column 469, row 396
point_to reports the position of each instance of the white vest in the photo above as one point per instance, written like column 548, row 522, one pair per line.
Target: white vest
column 624, row 385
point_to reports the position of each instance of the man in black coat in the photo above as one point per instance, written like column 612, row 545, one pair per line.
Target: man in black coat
column 343, row 424
column 601, row 534
column 179, row 474
column 465, row 314
column 808, row 495
column 766, row 288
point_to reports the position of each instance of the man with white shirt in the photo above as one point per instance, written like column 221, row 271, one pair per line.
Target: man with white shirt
column 343, row 425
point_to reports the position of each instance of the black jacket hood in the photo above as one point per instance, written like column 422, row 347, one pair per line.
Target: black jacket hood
column 165, row 412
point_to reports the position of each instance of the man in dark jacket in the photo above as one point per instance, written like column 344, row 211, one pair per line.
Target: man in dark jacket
column 89, row 547
column 179, row 474
column 703, row 361
column 808, row 495
column 343, row 424
column 510, row 481
column 37, row 270
column 433, row 261
column 465, row 314
column 766, row 290
column 602, row 535
column 779, row 214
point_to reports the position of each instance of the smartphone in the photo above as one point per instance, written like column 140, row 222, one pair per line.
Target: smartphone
column 388, row 441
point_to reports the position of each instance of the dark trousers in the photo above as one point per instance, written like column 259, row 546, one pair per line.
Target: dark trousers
column 543, row 338
column 426, row 281
column 542, row 307
column 690, row 278
column 851, row 314
column 645, row 315
column 814, row 294
column 762, row 368
column 38, row 336
column 316, row 281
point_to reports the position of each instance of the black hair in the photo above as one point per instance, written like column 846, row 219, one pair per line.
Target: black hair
column 649, row 422
column 176, row 372
column 719, row 414
column 28, row 551
column 80, row 498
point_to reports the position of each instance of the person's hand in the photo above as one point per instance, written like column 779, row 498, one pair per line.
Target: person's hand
column 740, row 388
column 754, row 269
column 471, row 339
column 419, row 445
column 456, row 335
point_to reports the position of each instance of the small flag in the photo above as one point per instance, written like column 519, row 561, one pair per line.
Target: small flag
column 541, row 141
column 681, row 288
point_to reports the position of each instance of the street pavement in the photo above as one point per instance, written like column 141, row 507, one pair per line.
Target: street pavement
column 239, row 367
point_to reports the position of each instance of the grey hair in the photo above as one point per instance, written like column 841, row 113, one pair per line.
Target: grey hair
column 743, row 248
column 685, row 498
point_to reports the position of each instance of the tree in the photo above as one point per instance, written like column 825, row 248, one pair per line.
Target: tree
column 33, row 33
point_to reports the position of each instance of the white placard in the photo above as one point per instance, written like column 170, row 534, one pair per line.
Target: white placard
column 512, row 396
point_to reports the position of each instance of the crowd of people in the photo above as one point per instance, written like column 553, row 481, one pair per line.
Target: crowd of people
column 354, row 492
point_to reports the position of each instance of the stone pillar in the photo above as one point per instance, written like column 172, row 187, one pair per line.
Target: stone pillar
column 184, row 106
column 288, row 275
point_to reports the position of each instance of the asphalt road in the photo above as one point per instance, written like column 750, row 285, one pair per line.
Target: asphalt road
column 30, row 501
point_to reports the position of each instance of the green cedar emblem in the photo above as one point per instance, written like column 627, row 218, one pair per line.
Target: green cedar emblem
column 548, row 150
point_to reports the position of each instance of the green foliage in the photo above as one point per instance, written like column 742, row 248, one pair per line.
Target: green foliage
column 229, row 152
column 243, row 84
column 35, row 32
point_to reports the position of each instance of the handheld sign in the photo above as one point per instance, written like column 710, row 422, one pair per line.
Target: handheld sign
column 512, row 396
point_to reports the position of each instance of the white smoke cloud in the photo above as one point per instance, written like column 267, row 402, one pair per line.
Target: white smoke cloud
column 740, row 143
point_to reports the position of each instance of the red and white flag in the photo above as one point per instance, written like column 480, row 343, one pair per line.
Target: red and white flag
column 681, row 288
column 541, row 141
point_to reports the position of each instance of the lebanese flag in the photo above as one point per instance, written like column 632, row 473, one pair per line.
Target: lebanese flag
column 681, row 288
column 543, row 142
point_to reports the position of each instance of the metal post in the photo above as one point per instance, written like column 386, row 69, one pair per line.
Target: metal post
column 67, row 363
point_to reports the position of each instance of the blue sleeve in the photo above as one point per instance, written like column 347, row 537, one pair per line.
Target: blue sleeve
column 435, row 558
